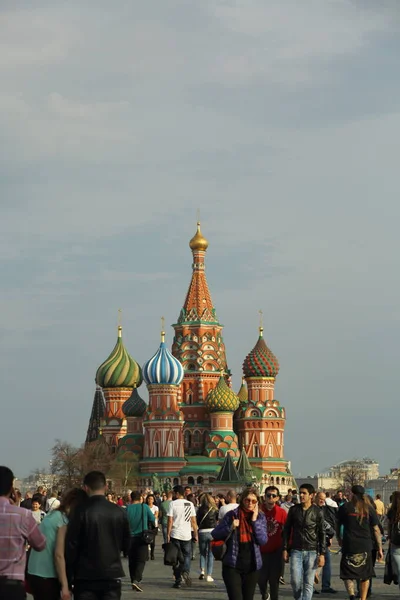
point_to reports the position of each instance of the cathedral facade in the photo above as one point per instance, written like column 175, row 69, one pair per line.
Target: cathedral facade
column 193, row 418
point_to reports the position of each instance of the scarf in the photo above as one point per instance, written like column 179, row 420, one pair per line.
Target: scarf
column 245, row 528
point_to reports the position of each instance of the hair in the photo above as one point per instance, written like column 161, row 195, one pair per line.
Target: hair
column 231, row 495
column 207, row 501
column 135, row 496
column 308, row 487
column 328, row 494
column 270, row 488
column 187, row 487
column 37, row 498
column 6, row 481
column 150, row 496
column 180, row 490
column 395, row 508
column 95, row 481
column 361, row 505
column 247, row 492
column 71, row 499
column 378, row 496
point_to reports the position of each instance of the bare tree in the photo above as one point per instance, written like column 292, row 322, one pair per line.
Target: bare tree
column 66, row 464
column 353, row 475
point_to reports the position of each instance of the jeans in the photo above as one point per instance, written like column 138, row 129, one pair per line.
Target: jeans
column 138, row 554
column 239, row 585
column 14, row 590
column 42, row 587
column 164, row 532
column 206, row 556
column 98, row 590
column 395, row 554
column 184, row 557
column 303, row 566
column 270, row 573
column 327, row 571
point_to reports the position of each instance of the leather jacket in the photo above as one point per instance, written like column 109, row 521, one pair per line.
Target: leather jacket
column 304, row 529
column 97, row 534
column 206, row 518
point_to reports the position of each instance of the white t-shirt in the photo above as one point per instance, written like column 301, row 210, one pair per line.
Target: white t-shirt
column 225, row 509
column 154, row 510
column 181, row 511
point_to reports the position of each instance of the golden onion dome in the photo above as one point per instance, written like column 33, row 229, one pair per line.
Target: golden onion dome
column 198, row 241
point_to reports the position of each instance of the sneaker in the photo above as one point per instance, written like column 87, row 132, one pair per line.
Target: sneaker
column 201, row 575
column 328, row 591
column 316, row 592
column 136, row 587
column 209, row 578
column 186, row 578
column 281, row 581
column 177, row 585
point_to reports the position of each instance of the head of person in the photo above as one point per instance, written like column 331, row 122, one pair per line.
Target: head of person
column 188, row 490
column 54, row 494
column 191, row 498
column 249, row 499
column 150, row 500
column 71, row 499
column 378, row 496
column 36, row 502
column 340, row 495
column 164, row 496
column 320, row 499
column 207, row 501
column 136, row 497
column 94, row 483
column 231, row 497
column 6, row 481
column 109, row 497
column 307, row 493
column 180, row 491
column 271, row 496
column 170, row 495
column 288, row 498
column 40, row 489
column 395, row 507
column 360, row 501
column 327, row 494
column 28, row 495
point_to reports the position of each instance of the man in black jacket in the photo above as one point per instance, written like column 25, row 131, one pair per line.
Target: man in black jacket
column 97, row 534
column 330, row 519
column 304, row 530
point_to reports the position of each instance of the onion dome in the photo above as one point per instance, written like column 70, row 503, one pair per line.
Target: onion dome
column 135, row 406
column 198, row 241
column 119, row 370
column 222, row 398
column 163, row 368
column 243, row 394
column 261, row 362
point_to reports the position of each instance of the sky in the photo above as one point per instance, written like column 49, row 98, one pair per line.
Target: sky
column 279, row 121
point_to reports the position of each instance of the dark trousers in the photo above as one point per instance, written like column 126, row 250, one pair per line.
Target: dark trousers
column 184, row 557
column 12, row 590
column 43, row 587
column 270, row 573
column 98, row 590
column 239, row 585
column 138, row 554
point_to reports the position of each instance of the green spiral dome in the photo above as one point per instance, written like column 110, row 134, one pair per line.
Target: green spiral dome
column 119, row 370
column 222, row 398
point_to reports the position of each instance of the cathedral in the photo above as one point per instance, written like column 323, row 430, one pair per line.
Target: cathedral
column 193, row 419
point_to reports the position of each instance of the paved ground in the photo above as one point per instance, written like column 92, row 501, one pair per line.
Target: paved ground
column 158, row 581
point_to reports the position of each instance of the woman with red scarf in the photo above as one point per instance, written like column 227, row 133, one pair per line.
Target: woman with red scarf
column 245, row 530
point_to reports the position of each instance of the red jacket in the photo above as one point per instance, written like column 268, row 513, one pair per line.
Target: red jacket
column 276, row 519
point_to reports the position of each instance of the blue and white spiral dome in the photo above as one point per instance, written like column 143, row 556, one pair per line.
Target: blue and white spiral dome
column 163, row 368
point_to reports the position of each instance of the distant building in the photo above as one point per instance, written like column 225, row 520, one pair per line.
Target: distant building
column 367, row 468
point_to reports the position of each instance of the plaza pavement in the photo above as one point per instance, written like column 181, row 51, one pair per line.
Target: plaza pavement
column 158, row 581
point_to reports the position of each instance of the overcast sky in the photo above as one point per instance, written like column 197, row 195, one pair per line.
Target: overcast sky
column 280, row 121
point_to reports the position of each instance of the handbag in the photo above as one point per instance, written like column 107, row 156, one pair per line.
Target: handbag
column 148, row 535
column 171, row 554
column 219, row 547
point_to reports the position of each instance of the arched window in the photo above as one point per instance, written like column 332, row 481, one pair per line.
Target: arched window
column 272, row 480
column 191, row 367
column 278, row 481
column 256, row 451
column 187, row 439
column 197, row 437
column 283, row 481
column 190, row 481
column 189, row 397
column 200, row 481
column 176, row 481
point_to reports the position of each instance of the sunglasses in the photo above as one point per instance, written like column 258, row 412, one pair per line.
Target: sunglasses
column 271, row 495
column 251, row 500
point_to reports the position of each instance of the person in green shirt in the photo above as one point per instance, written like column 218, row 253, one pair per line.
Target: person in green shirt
column 163, row 519
column 42, row 573
column 139, row 517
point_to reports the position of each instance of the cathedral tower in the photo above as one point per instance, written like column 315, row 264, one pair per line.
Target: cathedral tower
column 117, row 376
column 199, row 346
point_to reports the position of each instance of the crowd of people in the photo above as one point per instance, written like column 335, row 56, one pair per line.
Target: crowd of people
column 74, row 542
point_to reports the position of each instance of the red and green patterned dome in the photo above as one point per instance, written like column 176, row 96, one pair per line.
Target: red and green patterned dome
column 222, row 398
column 261, row 362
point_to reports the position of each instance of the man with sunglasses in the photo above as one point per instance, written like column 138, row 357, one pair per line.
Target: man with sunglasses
column 272, row 550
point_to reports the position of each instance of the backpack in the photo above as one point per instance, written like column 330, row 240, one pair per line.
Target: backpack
column 395, row 533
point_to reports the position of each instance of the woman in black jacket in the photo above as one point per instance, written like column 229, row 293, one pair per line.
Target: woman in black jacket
column 206, row 520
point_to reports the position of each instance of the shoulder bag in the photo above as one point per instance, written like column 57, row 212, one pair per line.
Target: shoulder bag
column 148, row 535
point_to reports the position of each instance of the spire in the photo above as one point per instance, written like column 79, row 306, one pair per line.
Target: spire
column 198, row 305
column 228, row 472
column 261, row 326
column 243, row 468
column 162, row 330
column 98, row 409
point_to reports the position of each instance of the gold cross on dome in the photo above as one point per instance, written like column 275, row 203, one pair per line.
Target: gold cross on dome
column 119, row 317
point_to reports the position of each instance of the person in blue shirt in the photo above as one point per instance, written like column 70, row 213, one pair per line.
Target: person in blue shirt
column 139, row 517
